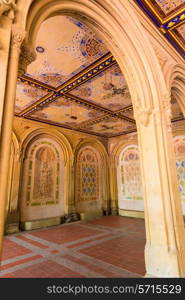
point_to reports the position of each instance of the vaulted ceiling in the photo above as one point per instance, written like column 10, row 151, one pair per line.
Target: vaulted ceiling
column 76, row 83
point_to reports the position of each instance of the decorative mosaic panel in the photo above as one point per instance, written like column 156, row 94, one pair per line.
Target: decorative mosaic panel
column 131, row 175
column 42, row 174
column 87, row 175
column 180, row 164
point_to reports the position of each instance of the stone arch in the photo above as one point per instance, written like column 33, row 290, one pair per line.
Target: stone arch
column 122, row 204
column 46, row 175
column 130, row 194
column 151, row 102
column 175, row 80
column 91, row 163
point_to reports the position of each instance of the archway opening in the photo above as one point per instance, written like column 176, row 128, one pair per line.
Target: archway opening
column 145, row 98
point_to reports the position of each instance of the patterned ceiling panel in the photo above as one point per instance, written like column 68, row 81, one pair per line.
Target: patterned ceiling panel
column 65, row 52
column 112, row 127
column 26, row 95
column 169, row 17
column 108, row 89
column 66, row 112
column 167, row 7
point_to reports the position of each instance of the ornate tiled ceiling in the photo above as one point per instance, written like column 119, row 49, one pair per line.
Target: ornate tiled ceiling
column 76, row 83
column 169, row 17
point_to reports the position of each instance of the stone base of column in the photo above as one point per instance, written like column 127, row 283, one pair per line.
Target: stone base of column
column 114, row 211
column 164, row 263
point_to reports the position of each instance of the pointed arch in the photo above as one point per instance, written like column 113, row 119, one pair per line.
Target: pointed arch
column 46, row 174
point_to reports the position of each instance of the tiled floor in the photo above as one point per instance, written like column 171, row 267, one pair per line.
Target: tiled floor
column 110, row 246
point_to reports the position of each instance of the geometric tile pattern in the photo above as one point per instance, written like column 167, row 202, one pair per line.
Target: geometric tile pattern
column 110, row 246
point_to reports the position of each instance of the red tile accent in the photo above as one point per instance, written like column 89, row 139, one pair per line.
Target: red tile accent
column 117, row 222
column 12, row 249
column 124, row 252
column 46, row 269
column 55, row 251
column 19, row 262
column 65, row 234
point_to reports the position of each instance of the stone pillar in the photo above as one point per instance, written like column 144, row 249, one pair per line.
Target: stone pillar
column 12, row 219
column 72, row 215
column 7, row 8
column 113, row 188
column 6, row 134
column 165, row 233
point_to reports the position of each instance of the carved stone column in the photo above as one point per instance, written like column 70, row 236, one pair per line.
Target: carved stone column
column 6, row 134
column 165, row 234
column 113, row 189
column 12, row 218
column 7, row 8
column 72, row 215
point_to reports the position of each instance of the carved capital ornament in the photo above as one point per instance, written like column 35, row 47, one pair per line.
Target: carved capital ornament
column 6, row 7
column 18, row 35
column 27, row 56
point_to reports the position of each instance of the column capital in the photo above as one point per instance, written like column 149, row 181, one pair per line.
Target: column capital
column 27, row 56
column 18, row 35
column 7, row 7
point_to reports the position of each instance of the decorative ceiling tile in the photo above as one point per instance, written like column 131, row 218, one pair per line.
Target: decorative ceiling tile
column 66, row 112
column 111, row 127
column 108, row 89
column 26, row 95
column 167, row 7
column 65, row 52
